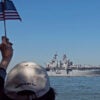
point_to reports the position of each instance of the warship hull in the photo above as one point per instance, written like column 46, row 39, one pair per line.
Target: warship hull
column 93, row 72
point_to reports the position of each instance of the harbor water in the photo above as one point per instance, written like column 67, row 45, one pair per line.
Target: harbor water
column 76, row 88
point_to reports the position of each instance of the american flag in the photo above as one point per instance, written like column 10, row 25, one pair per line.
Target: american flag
column 8, row 11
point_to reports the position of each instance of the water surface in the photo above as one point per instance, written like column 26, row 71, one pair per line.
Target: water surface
column 76, row 88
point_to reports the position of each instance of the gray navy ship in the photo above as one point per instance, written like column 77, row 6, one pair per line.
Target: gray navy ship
column 65, row 67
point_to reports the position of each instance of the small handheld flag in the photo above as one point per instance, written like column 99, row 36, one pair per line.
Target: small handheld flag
column 8, row 12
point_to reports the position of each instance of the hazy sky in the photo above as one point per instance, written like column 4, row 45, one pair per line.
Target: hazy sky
column 50, row 26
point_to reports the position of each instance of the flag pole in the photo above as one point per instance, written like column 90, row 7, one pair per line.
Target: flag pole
column 5, row 30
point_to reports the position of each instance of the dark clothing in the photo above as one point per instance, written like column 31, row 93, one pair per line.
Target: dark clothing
column 2, row 79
